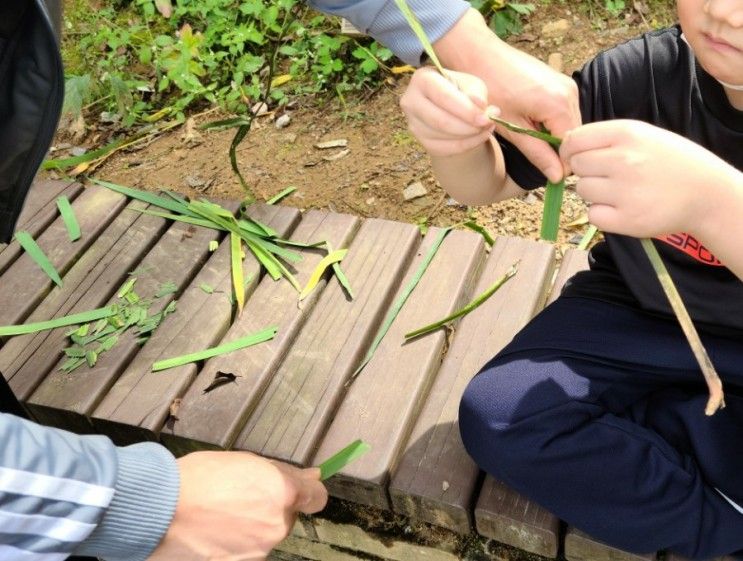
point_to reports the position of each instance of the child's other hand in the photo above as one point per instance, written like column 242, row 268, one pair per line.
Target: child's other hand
column 447, row 118
column 642, row 180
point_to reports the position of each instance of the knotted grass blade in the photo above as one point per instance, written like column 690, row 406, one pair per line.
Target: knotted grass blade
column 418, row 30
column 553, row 193
column 238, row 280
column 716, row 396
column 247, row 341
column 469, row 307
column 341, row 459
column 38, row 256
column 400, row 302
column 281, row 195
column 74, row 319
column 332, row 257
column 68, row 217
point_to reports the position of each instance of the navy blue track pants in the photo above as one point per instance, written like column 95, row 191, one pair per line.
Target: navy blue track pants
column 596, row 412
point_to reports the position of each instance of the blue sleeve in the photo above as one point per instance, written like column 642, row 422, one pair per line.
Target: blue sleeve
column 383, row 20
column 61, row 493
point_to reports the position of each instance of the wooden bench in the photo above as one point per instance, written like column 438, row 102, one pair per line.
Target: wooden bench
column 289, row 399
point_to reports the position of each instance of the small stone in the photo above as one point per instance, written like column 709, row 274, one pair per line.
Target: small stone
column 109, row 117
column 445, row 486
column 194, row 181
column 259, row 109
column 371, row 200
column 290, row 138
column 283, row 121
column 338, row 143
column 414, row 191
column 337, row 155
column 61, row 146
column 556, row 28
column 556, row 62
column 78, row 151
column 453, row 202
column 530, row 198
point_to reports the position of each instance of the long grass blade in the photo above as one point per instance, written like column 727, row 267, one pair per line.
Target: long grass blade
column 340, row 275
column 553, row 194
column 247, row 341
column 469, row 307
column 333, row 257
column 418, row 30
column 65, row 163
column 400, row 302
column 238, row 280
column 74, row 319
column 68, row 217
column 38, row 256
column 281, row 195
column 341, row 459
column 716, row 396
column 168, row 203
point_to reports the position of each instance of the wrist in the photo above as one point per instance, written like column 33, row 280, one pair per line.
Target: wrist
column 724, row 198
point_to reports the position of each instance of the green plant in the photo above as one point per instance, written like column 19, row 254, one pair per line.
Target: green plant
column 503, row 16
column 614, row 7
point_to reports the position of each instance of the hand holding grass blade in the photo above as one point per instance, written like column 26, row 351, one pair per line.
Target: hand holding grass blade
column 341, row 459
column 469, row 307
column 716, row 396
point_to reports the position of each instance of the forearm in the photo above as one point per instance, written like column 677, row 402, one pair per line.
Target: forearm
column 720, row 228
column 383, row 20
column 475, row 177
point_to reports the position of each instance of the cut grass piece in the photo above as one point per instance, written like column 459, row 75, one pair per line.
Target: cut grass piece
column 281, row 195
column 39, row 257
column 341, row 459
column 469, row 307
column 247, row 341
column 551, row 216
column 400, row 302
column 340, row 275
column 238, row 280
column 74, row 319
column 588, row 236
column 475, row 227
column 716, row 396
column 68, row 217
column 330, row 259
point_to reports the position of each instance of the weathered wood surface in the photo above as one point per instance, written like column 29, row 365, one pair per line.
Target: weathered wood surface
column 436, row 480
column 289, row 399
column 581, row 547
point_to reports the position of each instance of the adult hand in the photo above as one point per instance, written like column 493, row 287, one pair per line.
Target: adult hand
column 236, row 506
column 527, row 91
column 645, row 181
column 447, row 114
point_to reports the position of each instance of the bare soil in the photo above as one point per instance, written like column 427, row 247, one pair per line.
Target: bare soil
column 368, row 176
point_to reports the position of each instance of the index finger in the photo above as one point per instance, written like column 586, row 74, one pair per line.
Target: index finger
column 592, row 136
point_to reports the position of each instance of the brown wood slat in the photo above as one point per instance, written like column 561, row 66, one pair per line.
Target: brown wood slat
column 39, row 210
column 138, row 404
column 581, row 547
column 24, row 284
column 25, row 360
column 436, row 480
column 305, row 391
column 503, row 514
column 382, row 404
column 213, row 420
column 675, row 557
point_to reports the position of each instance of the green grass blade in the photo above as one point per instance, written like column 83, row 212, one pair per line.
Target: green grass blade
column 287, row 255
column 400, row 302
column 68, row 217
column 551, row 215
column 225, row 124
column 588, row 236
column 238, row 280
column 281, row 195
column 65, row 321
column 39, row 257
column 341, row 459
column 340, row 275
column 475, row 227
column 541, row 135
column 327, row 261
column 126, row 287
column 418, row 30
column 64, row 163
column 469, row 307
column 203, row 222
column 168, row 203
column 243, row 342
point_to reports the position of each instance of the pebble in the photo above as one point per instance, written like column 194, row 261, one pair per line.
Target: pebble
column 283, row 121
column 556, row 28
column 78, row 151
column 414, row 191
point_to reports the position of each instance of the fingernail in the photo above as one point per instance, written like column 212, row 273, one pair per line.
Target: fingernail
column 554, row 174
column 492, row 111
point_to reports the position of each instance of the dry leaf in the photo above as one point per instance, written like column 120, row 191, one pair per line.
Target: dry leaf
column 402, row 69
column 174, row 407
column 220, row 379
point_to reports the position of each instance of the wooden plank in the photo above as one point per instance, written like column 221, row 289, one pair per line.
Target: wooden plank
column 138, row 404
column 214, row 419
column 24, row 284
column 39, row 210
column 304, row 393
column 436, row 480
column 92, row 282
column 26, row 359
column 668, row 556
column 503, row 514
column 382, row 404
column 579, row 546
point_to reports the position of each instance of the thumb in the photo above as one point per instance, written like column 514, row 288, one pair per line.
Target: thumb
column 312, row 496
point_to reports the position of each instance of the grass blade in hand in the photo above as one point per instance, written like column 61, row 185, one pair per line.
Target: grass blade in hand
column 341, row 459
column 551, row 216
column 68, row 217
column 418, row 30
column 38, row 256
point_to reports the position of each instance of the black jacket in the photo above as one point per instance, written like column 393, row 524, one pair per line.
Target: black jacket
column 31, row 94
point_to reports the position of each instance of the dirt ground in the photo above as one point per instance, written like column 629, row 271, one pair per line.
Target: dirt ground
column 368, row 176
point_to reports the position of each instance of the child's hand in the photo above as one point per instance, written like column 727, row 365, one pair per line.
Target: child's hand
column 447, row 119
column 642, row 180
